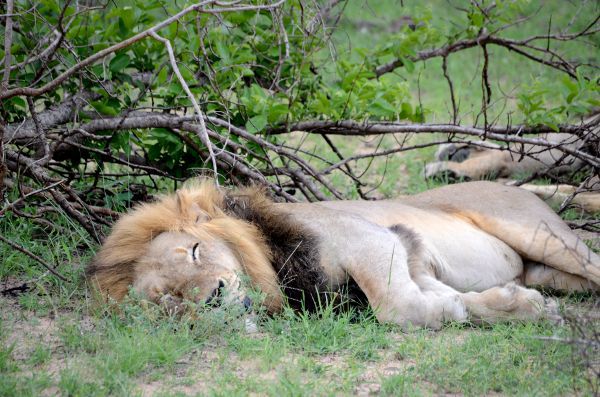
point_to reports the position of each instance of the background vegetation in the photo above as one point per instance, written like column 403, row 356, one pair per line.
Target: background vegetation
column 317, row 100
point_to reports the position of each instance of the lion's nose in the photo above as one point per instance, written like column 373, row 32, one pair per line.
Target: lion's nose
column 216, row 294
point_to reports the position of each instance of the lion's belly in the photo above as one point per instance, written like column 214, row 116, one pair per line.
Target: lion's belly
column 468, row 259
column 471, row 260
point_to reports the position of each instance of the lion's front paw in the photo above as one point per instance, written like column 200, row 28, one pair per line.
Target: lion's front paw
column 434, row 169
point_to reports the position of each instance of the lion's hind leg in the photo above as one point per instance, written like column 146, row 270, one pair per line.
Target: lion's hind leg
column 491, row 305
column 377, row 260
column 509, row 302
column 540, row 275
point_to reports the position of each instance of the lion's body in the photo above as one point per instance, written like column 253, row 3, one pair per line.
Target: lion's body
column 480, row 160
column 483, row 160
column 462, row 250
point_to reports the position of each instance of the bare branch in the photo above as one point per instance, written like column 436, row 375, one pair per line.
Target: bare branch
column 203, row 133
column 451, row 88
column 519, row 46
column 486, row 96
column 8, row 30
column 32, row 256
column 38, row 173
column 25, row 131
column 509, row 134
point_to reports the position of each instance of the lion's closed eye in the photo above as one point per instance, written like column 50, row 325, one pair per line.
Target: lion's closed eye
column 194, row 248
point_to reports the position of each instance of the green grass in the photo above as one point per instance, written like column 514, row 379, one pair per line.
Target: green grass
column 508, row 72
column 87, row 352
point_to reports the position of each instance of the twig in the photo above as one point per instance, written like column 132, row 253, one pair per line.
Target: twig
column 357, row 183
column 203, row 133
column 32, row 256
column 582, row 187
column 8, row 30
column 51, row 47
column 38, row 173
column 277, row 149
column 485, row 87
column 32, row 192
column 451, row 87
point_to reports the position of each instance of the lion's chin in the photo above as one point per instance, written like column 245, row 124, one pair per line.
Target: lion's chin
column 175, row 306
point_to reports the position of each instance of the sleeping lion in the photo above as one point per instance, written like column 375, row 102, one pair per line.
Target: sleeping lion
column 464, row 252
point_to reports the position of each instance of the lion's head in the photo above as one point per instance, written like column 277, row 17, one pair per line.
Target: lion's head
column 184, row 247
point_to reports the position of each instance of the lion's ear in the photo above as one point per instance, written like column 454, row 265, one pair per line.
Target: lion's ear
column 189, row 209
column 199, row 215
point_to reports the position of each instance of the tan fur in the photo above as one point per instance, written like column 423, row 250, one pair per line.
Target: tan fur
column 444, row 254
column 557, row 194
column 484, row 160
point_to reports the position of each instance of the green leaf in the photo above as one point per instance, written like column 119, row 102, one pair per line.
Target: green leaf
column 381, row 107
column 105, row 108
column 407, row 111
column 162, row 76
column 122, row 28
column 476, row 19
column 277, row 111
column 118, row 63
column 18, row 102
column 246, row 72
column 256, row 123
column 154, row 152
column 223, row 52
column 409, row 65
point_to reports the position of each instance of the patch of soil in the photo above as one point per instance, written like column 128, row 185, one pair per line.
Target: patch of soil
column 25, row 331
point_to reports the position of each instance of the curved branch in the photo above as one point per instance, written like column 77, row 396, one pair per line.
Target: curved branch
column 509, row 134
column 483, row 39
column 203, row 133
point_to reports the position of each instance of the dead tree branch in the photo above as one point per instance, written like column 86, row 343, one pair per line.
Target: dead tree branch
column 522, row 47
